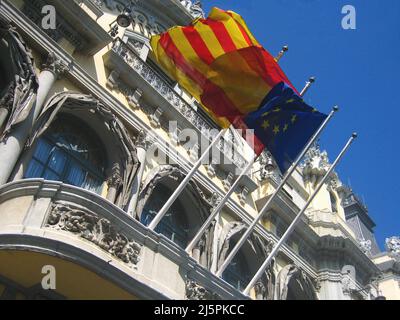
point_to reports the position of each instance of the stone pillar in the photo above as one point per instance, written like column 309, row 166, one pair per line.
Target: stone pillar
column 141, row 154
column 13, row 144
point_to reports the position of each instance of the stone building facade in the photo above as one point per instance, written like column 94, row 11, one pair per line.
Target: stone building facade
column 88, row 156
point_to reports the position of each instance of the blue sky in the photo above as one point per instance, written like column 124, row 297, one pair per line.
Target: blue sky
column 355, row 69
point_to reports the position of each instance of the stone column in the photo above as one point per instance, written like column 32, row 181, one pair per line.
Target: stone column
column 13, row 144
column 141, row 147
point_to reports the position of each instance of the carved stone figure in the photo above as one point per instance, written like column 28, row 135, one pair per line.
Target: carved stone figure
column 195, row 291
column 97, row 230
column 365, row 246
column 393, row 246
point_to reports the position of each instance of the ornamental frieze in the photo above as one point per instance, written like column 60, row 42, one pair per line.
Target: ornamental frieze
column 95, row 229
column 195, row 291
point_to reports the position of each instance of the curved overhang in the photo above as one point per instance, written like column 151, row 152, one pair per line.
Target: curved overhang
column 80, row 231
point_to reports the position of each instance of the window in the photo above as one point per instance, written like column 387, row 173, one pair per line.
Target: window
column 71, row 153
column 174, row 225
column 237, row 272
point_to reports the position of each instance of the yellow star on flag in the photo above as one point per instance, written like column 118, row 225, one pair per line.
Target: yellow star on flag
column 294, row 118
column 286, row 127
column 276, row 129
column 265, row 124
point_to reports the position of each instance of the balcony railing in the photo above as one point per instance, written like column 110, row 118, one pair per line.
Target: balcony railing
column 195, row 118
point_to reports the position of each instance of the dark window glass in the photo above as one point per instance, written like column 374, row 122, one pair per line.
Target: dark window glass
column 70, row 153
column 174, row 224
column 237, row 273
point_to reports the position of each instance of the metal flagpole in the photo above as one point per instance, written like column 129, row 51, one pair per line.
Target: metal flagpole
column 298, row 217
column 308, row 85
column 272, row 198
column 184, row 183
column 222, row 203
column 281, row 53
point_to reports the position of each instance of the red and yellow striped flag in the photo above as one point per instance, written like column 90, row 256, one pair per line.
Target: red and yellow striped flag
column 220, row 63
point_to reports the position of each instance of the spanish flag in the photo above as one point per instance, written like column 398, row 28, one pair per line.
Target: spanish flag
column 220, row 63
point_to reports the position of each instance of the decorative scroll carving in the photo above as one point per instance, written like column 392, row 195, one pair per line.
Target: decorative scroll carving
column 115, row 180
column 176, row 101
column 195, row 291
column 21, row 91
column 292, row 275
column 166, row 172
column 393, row 246
column 55, row 65
column 95, row 229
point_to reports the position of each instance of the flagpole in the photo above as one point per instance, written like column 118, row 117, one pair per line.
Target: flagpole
column 308, row 85
column 184, row 182
column 250, row 229
column 222, row 203
column 298, row 217
column 281, row 53
column 218, row 208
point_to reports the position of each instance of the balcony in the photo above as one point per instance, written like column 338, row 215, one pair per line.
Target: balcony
column 48, row 216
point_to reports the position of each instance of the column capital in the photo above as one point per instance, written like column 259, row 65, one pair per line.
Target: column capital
column 142, row 140
column 55, row 65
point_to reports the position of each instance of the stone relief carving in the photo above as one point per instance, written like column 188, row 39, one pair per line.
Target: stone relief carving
column 195, row 8
column 269, row 169
column 348, row 279
column 18, row 98
column 393, row 246
column 365, row 246
column 95, row 229
column 55, row 65
column 195, row 291
column 157, row 175
column 315, row 165
column 294, row 275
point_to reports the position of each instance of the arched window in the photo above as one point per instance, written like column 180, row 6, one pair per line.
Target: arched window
column 237, row 273
column 71, row 153
column 174, row 225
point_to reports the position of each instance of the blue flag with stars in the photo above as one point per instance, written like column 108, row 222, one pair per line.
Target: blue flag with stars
column 284, row 124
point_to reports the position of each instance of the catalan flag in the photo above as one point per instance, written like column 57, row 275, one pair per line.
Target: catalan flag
column 238, row 82
column 219, row 62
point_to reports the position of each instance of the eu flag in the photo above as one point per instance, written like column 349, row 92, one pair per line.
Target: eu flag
column 284, row 124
